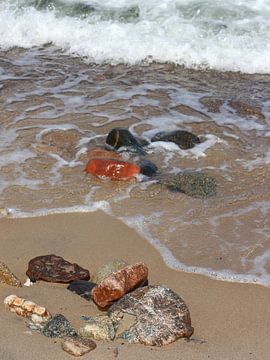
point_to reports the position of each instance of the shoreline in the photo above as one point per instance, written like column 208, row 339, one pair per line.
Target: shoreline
column 227, row 321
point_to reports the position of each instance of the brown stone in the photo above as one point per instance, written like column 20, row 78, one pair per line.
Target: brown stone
column 119, row 283
column 78, row 346
column 54, row 268
column 7, row 277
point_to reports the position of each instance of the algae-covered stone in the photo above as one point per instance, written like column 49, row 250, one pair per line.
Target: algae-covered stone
column 152, row 315
column 7, row 277
column 184, row 139
column 107, row 269
column 58, row 327
column 191, row 183
column 98, row 328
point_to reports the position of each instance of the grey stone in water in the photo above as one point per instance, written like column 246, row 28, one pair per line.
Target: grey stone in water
column 107, row 269
column 191, row 183
column 120, row 137
column 148, row 168
column 184, row 139
column 152, row 315
column 58, row 327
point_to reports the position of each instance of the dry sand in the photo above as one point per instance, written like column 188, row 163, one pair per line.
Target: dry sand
column 231, row 321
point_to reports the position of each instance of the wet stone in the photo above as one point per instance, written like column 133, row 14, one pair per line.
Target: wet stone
column 82, row 288
column 120, row 137
column 78, row 346
column 148, row 168
column 58, row 327
column 7, row 277
column 152, row 315
column 54, row 268
column 191, row 183
column 107, row 269
column 184, row 139
column 98, row 328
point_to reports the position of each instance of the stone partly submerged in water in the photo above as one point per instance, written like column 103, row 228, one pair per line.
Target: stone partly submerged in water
column 148, row 168
column 82, row 288
column 7, row 277
column 28, row 309
column 120, row 137
column 54, row 268
column 112, row 169
column 58, row 327
column 184, row 139
column 191, row 183
column 107, row 269
column 78, row 346
column 119, row 283
column 98, row 328
column 152, row 315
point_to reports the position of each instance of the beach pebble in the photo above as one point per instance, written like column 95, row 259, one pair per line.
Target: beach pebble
column 78, row 346
column 120, row 137
column 184, row 139
column 119, row 283
column 191, row 183
column 7, row 277
column 148, row 168
column 98, row 328
column 152, row 315
column 58, row 327
column 107, row 269
column 54, row 268
column 36, row 313
column 82, row 288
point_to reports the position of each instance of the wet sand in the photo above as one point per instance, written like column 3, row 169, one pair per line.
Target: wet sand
column 231, row 320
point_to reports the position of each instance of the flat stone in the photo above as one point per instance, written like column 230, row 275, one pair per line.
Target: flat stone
column 107, row 269
column 184, row 139
column 119, row 283
column 7, row 277
column 58, row 327
column 191, row 183
column 152, row 315
column 54, row 268
column 82, row 288
column 98, row 328
column 78, row 346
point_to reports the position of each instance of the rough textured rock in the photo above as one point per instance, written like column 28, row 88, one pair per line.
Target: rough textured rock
column 120, row 137
column 58, row 327
column 148, row 168
column 98, row 328
column 107, row 269
column 152, row 315
column 36, row 313
column 78, row 346
column 112, row 169
column 119, row 283
column 54, row 268
column 82, row 288
column 191, row 183
column 7, row 277
column 184, row 139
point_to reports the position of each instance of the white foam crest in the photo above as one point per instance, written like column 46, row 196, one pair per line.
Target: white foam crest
column 224, row 36
column 16, row 157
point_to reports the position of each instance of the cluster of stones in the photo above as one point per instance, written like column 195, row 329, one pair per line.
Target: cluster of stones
column 108, row 162
column 135, row 311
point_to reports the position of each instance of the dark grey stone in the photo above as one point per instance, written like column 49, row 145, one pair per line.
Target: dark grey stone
column 148, row 168
column 184, row 139
column 120, row 137
column 82, row 288
column 58, row 327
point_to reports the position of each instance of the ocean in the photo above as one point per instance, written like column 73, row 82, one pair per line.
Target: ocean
column 70, row 71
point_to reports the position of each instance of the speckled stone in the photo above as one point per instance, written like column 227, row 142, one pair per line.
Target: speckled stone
column 107, row 269
column 152, row 315
column 7, row 277
column 58, row 327
column 184, row 139
column 98, row 328
column 78, row 346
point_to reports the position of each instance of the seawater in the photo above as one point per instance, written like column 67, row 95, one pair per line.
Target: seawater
column 70, row 71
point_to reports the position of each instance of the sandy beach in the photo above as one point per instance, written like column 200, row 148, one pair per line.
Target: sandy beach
column 231, row 320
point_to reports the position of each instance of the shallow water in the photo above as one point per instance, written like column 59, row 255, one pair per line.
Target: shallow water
column 54, row 108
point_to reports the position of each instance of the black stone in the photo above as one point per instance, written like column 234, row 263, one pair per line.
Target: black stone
column 82, row 288
column 148, row 168
column 120, row 137
column 184, row 139
column 58, row 327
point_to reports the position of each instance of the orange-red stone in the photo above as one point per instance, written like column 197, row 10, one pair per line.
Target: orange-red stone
column 112, row 168
column 119, row 283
